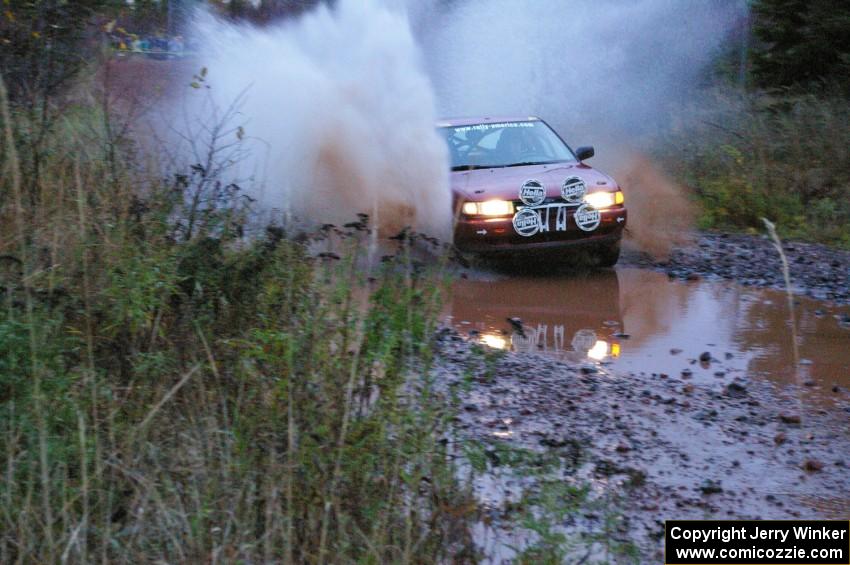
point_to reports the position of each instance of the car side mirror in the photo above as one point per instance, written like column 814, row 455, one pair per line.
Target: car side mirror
column 585, row 152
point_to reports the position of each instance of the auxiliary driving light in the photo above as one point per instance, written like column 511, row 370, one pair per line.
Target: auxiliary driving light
column 604, row 199
column 489, row 208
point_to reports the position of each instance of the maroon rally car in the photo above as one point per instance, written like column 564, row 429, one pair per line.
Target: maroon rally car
column 518, row 188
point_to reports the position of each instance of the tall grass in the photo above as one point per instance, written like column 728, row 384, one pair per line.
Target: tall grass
column 748, row 156
column 174, row 395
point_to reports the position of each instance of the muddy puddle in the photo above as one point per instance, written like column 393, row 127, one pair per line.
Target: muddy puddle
column 651, row 430
column 637, row 321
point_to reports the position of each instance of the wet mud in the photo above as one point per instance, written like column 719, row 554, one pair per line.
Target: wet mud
column 665, row 398
column 816, row 270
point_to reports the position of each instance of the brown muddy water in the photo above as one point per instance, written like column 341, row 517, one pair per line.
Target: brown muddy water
column 650, row 406
column 638, row 321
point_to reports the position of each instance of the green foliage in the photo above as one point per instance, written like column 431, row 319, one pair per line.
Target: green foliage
column 748, row 157
column 45, row 42
column 171, row 390
column 552, row 503
column 805, row 44
column 545, row 516
column 263, row 10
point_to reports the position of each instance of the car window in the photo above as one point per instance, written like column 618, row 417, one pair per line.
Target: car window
column 490, row 140
column 504, row 145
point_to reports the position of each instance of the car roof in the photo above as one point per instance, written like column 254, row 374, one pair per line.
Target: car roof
column 454, row 122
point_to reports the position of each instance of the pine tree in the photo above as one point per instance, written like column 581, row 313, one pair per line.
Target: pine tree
column 805, row 44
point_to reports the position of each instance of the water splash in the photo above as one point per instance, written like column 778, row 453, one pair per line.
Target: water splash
column 607, row 73
column 590, row 67
column 342, row 110
column 340, row 113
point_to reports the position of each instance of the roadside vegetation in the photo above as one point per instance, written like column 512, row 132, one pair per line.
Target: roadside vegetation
column 177, row 388
column 772, row 141
column 783, row 157
column 179, row 383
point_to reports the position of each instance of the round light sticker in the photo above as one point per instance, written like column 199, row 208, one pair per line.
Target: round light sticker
column 532, row 193
column 573, row 190
column 526, row 222
column 587, row 218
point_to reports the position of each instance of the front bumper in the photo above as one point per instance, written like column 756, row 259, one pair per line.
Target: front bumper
column 498, row 236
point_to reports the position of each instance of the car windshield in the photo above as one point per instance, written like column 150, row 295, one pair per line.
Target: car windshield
column 505, row 144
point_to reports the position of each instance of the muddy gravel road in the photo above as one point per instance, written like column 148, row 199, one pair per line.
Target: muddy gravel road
column 662, row 390
column 816, row 270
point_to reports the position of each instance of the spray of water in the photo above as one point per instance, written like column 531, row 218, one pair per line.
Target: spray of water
column 607, row 73
column 340, row 113
column 590, row 67
column 342, row 101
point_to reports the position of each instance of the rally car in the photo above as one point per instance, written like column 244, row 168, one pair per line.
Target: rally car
column 519, row 189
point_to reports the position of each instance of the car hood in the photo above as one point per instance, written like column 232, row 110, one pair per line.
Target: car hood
column 505, row 182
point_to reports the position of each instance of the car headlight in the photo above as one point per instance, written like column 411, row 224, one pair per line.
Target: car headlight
column 599, row 351
column 489, row 208
column 604, row 199
column 494, row 340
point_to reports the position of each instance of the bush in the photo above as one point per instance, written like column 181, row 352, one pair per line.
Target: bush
column 191, row 394
column 752, row 156
column 43, row 43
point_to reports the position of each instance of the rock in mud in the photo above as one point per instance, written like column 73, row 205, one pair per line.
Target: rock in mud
column 812, row 465
column 790, row 418
column 710, row 486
